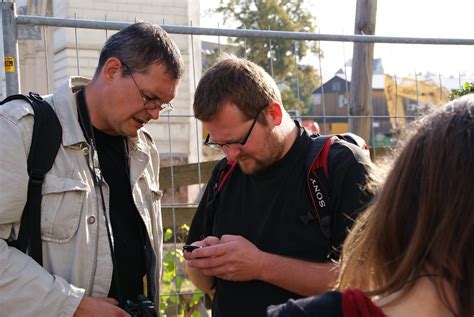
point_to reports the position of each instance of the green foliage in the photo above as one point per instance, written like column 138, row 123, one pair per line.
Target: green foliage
column 168, row 235
column 277, row 57
column 306, row 87
column 467, row 88
column 182, row 298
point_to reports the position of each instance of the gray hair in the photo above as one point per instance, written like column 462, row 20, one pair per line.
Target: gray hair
column 140, row 45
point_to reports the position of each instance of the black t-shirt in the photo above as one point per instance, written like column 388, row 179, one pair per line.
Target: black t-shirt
column 270, row 209
column 127, row 226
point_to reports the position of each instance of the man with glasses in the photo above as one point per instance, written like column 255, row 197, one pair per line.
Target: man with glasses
column 100, row 218
column 259, row 247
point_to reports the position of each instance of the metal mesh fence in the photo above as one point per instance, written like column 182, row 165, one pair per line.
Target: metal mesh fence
column 396, row 101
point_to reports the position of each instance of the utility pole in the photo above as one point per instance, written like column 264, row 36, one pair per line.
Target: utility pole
column 361, row 78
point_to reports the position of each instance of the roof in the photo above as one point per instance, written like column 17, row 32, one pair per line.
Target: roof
column 378, row 80
column 377, row 66
column 450, row 82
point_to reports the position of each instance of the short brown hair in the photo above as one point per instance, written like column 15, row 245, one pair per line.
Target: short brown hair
column 422, row 223
column 234, row 80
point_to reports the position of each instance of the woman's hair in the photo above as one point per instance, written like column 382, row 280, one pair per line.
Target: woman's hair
column 422, row 221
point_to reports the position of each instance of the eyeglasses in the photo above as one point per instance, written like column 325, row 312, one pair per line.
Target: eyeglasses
column 150, row 103
column 232, row 144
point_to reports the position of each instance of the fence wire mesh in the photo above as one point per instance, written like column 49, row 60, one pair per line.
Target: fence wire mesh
column 329, row 109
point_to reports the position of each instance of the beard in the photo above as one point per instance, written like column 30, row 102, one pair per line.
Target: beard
column 271, row 152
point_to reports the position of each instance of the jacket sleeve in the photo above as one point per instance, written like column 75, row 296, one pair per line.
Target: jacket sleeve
column 26, row 289
column 349, row 170
column 327, row 304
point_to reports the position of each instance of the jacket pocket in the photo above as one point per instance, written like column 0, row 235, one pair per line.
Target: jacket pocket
column 156, row 193
column 61, row 207
column 148, row 184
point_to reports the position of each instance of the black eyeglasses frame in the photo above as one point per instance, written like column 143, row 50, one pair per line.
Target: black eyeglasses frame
column 217, row 145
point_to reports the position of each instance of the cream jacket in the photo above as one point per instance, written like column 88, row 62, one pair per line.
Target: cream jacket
column 76, row 253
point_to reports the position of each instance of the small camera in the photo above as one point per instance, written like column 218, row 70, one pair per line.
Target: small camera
column 190, row 248
column 142, row 307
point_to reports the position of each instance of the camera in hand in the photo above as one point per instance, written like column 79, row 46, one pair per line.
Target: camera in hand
column 142, row 307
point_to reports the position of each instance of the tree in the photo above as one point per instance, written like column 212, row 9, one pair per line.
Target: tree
column 466, row 88
column 308, row 81
column 277, row 57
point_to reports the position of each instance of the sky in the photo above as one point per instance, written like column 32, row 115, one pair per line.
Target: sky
column 404, row 18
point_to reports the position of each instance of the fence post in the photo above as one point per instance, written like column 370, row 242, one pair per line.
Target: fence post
column 10, row 48
column 361, row 78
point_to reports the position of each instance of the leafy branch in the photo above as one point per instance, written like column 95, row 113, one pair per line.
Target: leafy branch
column 467, row 88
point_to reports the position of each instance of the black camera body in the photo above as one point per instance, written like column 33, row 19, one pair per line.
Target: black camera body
column 142, row 307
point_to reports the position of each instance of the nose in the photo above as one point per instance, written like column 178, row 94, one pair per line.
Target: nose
column 231, row 152
column 154, row 113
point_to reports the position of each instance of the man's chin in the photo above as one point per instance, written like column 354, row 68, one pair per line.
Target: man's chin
column 131, row 132
column 250, row 166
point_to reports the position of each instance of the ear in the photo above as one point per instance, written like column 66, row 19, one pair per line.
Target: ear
column 275, row 112
column 112, row 69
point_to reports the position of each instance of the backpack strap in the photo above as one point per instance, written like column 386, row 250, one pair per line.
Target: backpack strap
column 45, row 143
column 356, row 140
column 317, row 159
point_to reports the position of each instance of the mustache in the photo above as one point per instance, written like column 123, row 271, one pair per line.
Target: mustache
column 143, row 119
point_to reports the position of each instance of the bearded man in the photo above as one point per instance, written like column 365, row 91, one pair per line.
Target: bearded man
column 259, row 247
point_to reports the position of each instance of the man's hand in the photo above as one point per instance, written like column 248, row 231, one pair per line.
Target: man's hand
column 208, row 241
column 204, row 282
column 234, row 258
column 99, row 306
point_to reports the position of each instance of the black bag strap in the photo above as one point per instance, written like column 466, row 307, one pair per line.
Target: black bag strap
column 45, row 143
column 317, row 166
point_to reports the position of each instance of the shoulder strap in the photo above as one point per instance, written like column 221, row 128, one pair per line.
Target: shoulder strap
column 355, row 140
column 224, row 169
column 317, row 159
column 223, row 175
column 45, row 142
